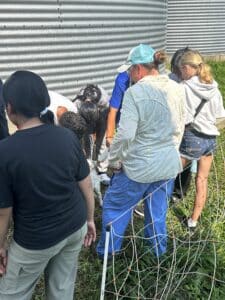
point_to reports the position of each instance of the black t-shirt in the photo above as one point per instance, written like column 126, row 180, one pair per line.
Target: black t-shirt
column 39, row 171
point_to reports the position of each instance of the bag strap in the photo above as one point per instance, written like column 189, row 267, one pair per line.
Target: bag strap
column 197, row 111
column 200, row 106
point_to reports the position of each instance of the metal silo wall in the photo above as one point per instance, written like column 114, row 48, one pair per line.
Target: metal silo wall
column 199, row 24
column 71, row 43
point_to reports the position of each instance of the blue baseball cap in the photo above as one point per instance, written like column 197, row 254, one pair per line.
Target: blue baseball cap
column 140, row 54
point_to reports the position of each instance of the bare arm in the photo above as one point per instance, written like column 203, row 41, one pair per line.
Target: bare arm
column 5, row 218
column 111, row 125
column 86, row 188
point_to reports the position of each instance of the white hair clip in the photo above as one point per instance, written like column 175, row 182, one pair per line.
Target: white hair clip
column 43, row 112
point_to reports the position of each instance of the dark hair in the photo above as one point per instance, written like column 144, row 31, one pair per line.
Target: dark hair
column 176, row 59
column 159, row 58
column 74, row 122
column 27, row 93
column 91, row 93
column 96, row 119
column 89, row 111
column 78, row 125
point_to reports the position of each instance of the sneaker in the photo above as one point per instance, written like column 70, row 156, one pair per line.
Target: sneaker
column 139, row 210
column 104, row 178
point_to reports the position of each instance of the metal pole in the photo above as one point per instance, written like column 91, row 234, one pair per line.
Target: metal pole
column 107, row 236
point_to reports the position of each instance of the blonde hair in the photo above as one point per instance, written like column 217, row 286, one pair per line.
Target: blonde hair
column 195, row 60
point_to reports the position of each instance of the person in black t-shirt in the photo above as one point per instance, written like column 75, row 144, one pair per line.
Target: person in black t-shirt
column 45, row 182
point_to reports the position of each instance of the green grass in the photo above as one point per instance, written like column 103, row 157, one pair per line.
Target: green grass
column 218, row 69
column 194, row 265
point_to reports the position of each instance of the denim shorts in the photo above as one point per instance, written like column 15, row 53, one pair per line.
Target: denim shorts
column 195, row 145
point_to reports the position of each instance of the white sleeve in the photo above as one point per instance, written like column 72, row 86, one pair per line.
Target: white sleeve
column 220, row 111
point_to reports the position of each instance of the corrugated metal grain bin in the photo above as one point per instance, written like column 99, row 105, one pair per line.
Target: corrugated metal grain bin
column 71, row 43
column 199, row 24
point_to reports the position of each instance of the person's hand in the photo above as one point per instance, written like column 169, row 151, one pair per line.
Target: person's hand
column 3, row 260
column 109, row 141
column 115, row 167
column 116, row 171
column 90, row 236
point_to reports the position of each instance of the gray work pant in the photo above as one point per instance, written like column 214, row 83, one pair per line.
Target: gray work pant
column 59, row 264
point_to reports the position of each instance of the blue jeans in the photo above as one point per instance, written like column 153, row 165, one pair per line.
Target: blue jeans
column 194, row 146
column 121, row 198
